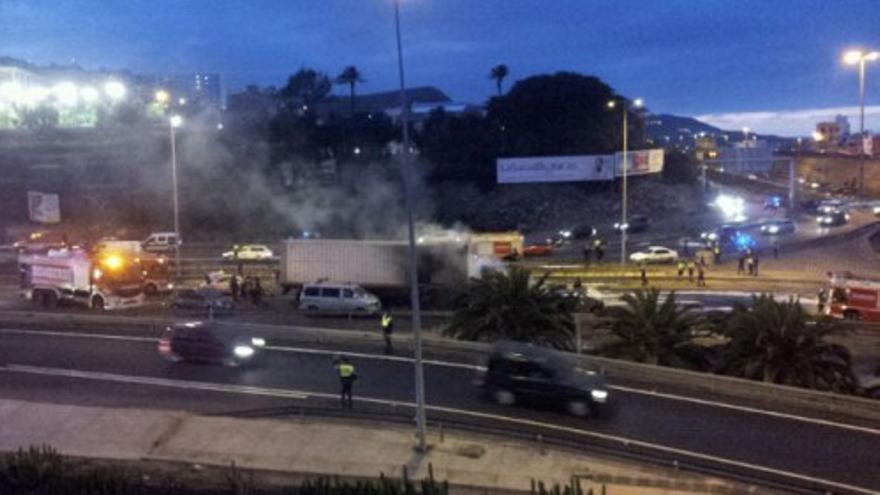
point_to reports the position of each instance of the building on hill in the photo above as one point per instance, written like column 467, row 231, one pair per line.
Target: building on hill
column 422, row 101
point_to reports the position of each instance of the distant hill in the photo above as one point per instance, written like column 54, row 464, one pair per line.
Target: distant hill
column 666, row 129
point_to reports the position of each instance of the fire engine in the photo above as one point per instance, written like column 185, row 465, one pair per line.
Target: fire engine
column 854, row 297
column 105, row 281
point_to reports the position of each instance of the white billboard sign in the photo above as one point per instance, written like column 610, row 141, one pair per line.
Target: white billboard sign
column 43, row 208
column 640, row 162
column 555, row 169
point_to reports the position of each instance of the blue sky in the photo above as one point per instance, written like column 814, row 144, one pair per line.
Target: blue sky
column 728, row 61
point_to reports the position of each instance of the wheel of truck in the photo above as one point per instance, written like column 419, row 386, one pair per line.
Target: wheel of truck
column 851, row 315
column 98, row 303
column 579, row 408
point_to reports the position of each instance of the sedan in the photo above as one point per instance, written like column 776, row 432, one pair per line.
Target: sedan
column 634, row 224
column 776, row 227
column 833, row 219
column 209, row 342
column 250, row 252
column 655, row 254
column 545, row 249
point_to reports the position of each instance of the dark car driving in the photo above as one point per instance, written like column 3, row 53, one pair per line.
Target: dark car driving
column 634, row 224
column 208, row 342
column 525, row 374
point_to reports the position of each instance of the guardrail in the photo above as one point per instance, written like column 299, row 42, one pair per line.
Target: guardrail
column 658, row 378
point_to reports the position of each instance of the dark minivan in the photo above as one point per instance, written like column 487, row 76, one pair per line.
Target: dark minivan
column 209, row 342
column 519, row 373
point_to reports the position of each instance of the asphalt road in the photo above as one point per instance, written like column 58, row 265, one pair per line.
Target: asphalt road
column 845, row 455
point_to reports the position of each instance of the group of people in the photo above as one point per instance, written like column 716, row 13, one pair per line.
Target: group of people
column 249, row 288
column 692, row 265
column 596, row 245
column 748, row 261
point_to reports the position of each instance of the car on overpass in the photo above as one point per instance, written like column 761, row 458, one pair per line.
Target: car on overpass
column 209, row 342
column 249, row 252
column 778, row 227
column 633, row 225
column 654, row 254
column 834, row 219
column 518, row 373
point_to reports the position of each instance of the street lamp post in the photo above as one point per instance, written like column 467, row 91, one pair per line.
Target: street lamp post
column 173, row 123
column 413, row 262
column 623, row 216
column 858, row 57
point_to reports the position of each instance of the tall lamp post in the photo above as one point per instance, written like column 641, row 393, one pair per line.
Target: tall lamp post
column 624, row 227
column 174, row 122
column 413, row 262
column 860, row 58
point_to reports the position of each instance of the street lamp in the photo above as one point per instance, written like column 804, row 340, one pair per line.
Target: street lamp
column 858, row 57
column 413, row 262
column 637, row 103
column 174, row 122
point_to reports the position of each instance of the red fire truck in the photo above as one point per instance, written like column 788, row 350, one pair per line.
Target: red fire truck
column 854, row 297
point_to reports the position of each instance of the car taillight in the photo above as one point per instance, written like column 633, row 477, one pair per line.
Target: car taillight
column 164, row 345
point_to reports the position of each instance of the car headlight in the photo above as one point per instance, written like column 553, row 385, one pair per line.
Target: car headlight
column 243, row 351
column 258, row 342
column 773, row 229
column 599, row 395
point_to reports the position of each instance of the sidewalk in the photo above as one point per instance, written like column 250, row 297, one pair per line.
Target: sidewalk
column 314, row 446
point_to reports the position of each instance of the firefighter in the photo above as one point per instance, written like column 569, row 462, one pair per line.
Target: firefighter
column 681, row 266
column 691, row 265
column 347, row 377
column 233, row 287
column 588, row 251
column 643, row 273
column 701, row 276
column 741, row 265
column 387, row 330
column 717, row 252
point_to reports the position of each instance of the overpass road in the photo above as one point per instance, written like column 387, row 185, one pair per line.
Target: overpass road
column 123, row 369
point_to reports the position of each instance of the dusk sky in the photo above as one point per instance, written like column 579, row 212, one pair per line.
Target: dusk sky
column 735, row 63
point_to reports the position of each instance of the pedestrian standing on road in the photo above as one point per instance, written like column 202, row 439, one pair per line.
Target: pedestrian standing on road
column 755, row 270
column 717, row 253
column 588, row 251
column 258, row 292
column 822, row 297
column 347, row 377
column 703, row 261
column 643, row 271
column 600, row 249
column 750, row 264
column 233, row 287
column 701, row 276
column 775, row 250
column 681, row 266
column 691, row 267
column 741, row 264
column 387, row 329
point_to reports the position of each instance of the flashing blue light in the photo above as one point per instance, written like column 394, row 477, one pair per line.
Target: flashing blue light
column 743, row 241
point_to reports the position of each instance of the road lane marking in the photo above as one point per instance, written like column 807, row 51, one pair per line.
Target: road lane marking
column 472, row 367
column 296, row 394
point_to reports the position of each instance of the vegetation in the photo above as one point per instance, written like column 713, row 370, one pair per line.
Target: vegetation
column 654, row 331
column 498, row 74
column 350, row 77
column 508, row 306
column 43, row 471
column 777, row 342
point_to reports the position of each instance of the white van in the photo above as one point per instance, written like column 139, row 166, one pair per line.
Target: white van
column 161, row 242
column 338, row 298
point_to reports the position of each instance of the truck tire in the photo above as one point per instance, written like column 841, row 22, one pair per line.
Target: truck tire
column 98, row 303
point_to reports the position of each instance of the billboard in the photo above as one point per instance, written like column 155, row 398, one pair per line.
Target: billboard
column 555, row 169
column 43, row 207
column 639, row 162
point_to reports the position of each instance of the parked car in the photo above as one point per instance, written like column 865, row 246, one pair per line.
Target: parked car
column 160, row 242
column 582, row 231
column 209, row 342
column 830, row 206
column 833, row 219
column 519, row 373
column 204, row 299
column 338, row 298
column 41, row 242
column 634, row 224
column 655, row 254
column 249, row 252
column 778, row 227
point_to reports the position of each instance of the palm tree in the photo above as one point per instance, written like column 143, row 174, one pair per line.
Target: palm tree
column 498, row 73
column 509, row 306
column 777, row 342
column 350, row 76
column 654, row 332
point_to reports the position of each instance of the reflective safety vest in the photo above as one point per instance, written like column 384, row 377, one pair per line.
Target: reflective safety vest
column 346, row 370
column 386, row 321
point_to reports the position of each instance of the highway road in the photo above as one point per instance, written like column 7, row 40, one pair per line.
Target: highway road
column 122, row 369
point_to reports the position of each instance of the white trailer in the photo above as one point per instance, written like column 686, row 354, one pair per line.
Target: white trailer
column 98, row 282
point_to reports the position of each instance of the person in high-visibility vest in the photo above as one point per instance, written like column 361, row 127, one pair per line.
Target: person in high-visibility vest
column 347, row 376
column 387, row 330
